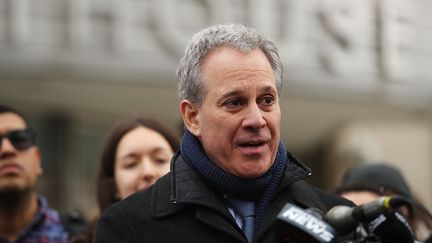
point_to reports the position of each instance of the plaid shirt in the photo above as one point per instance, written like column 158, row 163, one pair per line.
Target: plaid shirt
column 45, row 228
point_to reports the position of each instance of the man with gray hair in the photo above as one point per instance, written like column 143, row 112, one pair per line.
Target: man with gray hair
column 232, row 174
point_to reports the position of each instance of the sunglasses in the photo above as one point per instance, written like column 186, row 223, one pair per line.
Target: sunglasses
column 20, row 139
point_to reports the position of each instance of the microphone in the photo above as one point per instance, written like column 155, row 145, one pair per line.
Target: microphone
column 345, row 219
column 302, row 225
column 390, row 227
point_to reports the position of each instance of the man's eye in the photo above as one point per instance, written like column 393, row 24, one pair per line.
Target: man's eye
column 267, row 100
column 233, row 103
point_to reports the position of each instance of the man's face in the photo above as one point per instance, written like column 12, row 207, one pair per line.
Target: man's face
column 238, row 122
column 18, row 169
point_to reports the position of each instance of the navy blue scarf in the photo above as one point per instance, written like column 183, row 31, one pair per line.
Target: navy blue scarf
column 261, row 189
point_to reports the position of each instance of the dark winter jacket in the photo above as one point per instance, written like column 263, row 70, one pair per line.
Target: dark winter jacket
column 180, row 207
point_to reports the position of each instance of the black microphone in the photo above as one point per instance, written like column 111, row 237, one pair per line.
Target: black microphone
column 300, row 225
column 390, row 227
column 345, row 219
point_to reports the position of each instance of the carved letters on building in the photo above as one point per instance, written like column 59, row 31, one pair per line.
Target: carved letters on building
column 354, row 40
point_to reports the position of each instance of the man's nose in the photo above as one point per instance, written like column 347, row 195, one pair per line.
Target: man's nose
column 6, row 148
column 254, row 117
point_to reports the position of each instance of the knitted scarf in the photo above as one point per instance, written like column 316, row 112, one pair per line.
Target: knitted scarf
column 261, row 189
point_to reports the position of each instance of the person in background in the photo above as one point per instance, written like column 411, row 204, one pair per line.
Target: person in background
column 365, row 183
column 232, row 175
column 24, row 214
column 137, row 153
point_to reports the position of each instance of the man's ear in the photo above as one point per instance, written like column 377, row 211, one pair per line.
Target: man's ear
column 189, row 112
column 38, row 161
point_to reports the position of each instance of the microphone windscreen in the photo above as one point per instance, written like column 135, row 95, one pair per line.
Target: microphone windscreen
column 391, row 227
column 303, row 225
column 288, row 233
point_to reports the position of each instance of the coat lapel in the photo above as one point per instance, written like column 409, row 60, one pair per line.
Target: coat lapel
column 294, row 172
column 219, row 222
column 186, row 188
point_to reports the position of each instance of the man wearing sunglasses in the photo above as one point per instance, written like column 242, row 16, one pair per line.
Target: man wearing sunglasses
column 24, row 215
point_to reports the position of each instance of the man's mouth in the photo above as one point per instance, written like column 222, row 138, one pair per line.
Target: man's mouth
column 9, row 169
column 251, row 144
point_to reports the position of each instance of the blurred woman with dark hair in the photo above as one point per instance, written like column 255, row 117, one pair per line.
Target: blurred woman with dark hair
column 137, row 152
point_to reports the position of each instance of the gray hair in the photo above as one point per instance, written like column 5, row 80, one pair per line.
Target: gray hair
column 240, row 37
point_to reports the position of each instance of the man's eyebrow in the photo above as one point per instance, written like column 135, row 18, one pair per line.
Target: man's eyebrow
column 237, row 92
column 229, row 94
column 267, row 89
